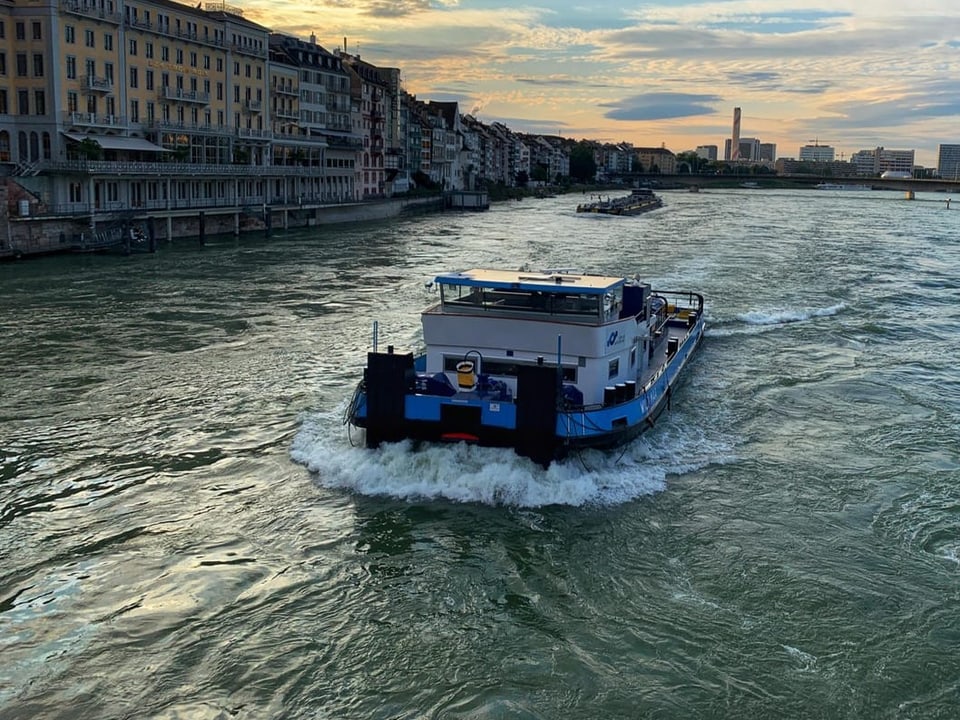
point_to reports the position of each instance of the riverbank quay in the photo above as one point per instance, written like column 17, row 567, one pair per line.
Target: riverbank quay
column 36, row 232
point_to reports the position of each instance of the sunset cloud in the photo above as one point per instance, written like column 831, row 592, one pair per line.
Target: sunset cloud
column 861, row 74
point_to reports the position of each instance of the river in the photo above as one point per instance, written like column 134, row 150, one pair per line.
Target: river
column 187, row 532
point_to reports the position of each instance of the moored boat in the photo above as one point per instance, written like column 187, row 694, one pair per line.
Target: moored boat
column 543, row 363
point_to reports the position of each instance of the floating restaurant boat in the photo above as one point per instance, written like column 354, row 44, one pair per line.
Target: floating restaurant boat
column 640, row 200
column 544, row 363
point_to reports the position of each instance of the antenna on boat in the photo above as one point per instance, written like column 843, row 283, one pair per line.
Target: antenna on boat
column 376, row 329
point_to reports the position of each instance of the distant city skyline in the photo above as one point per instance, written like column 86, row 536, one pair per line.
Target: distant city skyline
column 849, row 74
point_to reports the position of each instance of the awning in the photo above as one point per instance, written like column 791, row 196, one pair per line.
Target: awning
column 116, row 142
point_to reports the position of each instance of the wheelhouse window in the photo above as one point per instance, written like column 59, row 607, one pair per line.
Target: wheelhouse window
column 614, row 368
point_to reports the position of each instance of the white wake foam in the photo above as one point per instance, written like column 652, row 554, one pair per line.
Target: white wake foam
column 782, row 317
column 495, row 476
column 762, row 321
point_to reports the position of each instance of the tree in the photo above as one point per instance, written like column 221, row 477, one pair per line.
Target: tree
column 90, row 149
column 522, row 178
column 582, row 165
column 539, row 173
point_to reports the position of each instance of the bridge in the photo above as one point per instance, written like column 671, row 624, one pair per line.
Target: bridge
column 770, row 181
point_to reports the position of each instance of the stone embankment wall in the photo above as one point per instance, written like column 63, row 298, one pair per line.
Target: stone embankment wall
column 25, row 231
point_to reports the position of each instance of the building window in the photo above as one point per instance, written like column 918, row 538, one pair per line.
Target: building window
column 246, row 70
column 135, row 111
column 206, row 62
column 108, row 41
column 23, row 102
column 151, row 112
column 149, row 79
column 108, row 72
column 37, row 65
column 134, row 78
column 148, row 50
column 3, row 29
column 236, row 93
column 4, row 109
column 21, row 64
column 39, row 102
column 133, row 47
column 37, row 31
column 219, row 91
column 165, row 53
column 3, row 63
column 21, row 31
column 219, row 65
column 236, row 69
column 179, row 56
column 193, row 59
column 92, row 104
column 76, row 192
column 88, row 39
column 73, row 104
column 71, row 67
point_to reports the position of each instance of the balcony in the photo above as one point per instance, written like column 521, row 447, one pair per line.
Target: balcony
column 252, row 106
column 139, row 24
column 90, row 10
column 286, row 90
column 181, row 128
column 287, row 114
column 79, row 119
column 178, row 94
column 92, row 83
column 248, row 50
column 253, row 133
column 173, row 170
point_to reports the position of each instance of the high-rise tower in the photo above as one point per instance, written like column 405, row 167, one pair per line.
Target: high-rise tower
column 735, row 141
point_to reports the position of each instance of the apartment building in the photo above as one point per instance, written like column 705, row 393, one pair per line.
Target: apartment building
column 116, row 108
column 948, row 161
column 879, row 160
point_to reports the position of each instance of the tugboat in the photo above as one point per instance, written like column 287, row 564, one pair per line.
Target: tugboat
column 544, row 363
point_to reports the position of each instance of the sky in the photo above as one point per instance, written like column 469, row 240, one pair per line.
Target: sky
column 852, row 74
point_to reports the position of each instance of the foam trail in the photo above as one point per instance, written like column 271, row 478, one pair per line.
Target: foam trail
column 781, row 317
column 495, row 476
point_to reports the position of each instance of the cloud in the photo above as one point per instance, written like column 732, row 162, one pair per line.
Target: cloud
column 778, row 82
column 660, row 106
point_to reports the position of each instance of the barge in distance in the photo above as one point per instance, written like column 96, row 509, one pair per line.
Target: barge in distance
column 639, row 201
column 544, row 363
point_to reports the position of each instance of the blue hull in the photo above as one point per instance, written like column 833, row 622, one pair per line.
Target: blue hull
column 538, row 423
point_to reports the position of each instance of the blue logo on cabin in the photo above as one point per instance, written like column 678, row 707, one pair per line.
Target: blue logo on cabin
column 612, row 339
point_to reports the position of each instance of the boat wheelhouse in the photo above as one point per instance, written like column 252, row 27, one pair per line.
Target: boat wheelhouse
column 540, row 362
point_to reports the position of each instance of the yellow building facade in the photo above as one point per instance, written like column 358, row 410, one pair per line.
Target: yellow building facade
column 109, row 106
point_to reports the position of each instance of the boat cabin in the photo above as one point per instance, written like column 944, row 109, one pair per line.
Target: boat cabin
column 600, row 330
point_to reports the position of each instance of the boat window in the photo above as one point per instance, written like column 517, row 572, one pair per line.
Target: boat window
column 584, row 306
column 614, row 368
column 506, row 368
column 460, row 294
